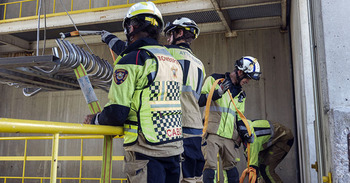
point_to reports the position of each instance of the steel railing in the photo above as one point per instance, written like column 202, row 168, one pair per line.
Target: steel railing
column 57, row 128
column 53, row 9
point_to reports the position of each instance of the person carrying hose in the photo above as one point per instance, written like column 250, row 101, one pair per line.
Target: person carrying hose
column 144, row 98
column 221, row 134
column 269, row 142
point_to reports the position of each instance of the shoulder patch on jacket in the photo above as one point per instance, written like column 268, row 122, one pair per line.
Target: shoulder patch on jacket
column 120, row 76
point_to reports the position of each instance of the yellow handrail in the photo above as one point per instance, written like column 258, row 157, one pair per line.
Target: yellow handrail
column 59, row 178
column 56, row 128
column 9, row 125
column 90, row 9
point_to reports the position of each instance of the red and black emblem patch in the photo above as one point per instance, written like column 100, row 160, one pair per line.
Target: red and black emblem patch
column 120, row 76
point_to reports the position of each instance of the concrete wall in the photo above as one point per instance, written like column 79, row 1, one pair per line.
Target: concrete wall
column 270, row 98
column 334, row 67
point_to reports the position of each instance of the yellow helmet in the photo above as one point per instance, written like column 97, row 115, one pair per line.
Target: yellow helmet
column 145, row 8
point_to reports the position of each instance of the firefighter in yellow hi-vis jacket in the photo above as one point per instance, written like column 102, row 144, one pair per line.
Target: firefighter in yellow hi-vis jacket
column 145, row 98
column 180, row 34
column 269, row 144
column 221, row 135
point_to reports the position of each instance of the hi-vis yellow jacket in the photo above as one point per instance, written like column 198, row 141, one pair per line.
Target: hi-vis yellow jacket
column 194, row 75
column 222, row 116
column 145, row 94
column 265, row 134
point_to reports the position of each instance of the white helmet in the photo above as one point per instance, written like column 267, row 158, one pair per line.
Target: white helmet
column 185, row 23
column 250, row 66
column 145, row 8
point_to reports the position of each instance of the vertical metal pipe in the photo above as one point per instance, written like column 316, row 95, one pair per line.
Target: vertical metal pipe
column 20, row 9
column 37, row 4
column 24, row 159
column 71, row 5
column 317, row 97
column 54, row 6
column 54, row 156
column 38, row 30
column 5, row 11
column 81, row 159
column 106, row 172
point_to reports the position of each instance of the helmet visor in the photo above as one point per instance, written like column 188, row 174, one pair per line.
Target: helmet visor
column 254, row 75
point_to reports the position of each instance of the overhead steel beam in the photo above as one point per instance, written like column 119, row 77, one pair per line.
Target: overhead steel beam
column 28, row 61
column 15, row 41
column 225, row 4
column 256, row 23
column 214, row 27
column 225, row 18
column 92, row 39
column 9, row 49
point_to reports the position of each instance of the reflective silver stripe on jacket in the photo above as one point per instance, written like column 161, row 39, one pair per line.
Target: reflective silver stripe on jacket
column 272, row 129
column 189, row 89
column 221, row 109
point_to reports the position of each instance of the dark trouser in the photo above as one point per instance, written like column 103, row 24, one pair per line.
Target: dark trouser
column 193, row 163
column 139, row 168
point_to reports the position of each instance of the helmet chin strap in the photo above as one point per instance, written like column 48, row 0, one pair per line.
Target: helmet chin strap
column 176, row 39
column 239, row 79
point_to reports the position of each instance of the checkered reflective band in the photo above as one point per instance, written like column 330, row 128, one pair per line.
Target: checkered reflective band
column 167, row 125
column 165, row 91
column 166, row 110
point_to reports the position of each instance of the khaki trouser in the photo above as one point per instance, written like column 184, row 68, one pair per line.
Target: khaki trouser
column 213, row 144
column 135, row 170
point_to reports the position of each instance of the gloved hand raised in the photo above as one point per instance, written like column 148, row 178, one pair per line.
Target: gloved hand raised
column 225, row 85
column 104, row 34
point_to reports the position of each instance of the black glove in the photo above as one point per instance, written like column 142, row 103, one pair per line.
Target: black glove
column 249, row 139
column 225, row 85
column 104, row 34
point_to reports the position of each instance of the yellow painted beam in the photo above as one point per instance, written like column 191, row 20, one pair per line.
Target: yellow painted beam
column 9, row 125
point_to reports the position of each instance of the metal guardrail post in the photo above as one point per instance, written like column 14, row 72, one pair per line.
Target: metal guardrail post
column 24, row 159
column 53, row 175
column 106, row 172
